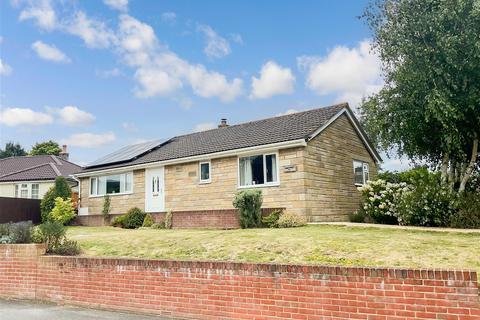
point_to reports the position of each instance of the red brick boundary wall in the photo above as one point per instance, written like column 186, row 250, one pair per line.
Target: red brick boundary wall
column 218, row 219
column 220, row 290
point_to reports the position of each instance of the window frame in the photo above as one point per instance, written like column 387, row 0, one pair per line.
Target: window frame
column 31, row 190
column 97, row 178
column 28, row 188
column 265, row 184
column 365, row 177
column 203, row 181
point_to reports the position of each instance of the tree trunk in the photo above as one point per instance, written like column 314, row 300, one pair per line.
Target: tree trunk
column 444, row 168
column 471, row 166
column 451, row 174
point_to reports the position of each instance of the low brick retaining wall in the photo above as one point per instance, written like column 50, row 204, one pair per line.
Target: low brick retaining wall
column 219, row 219
column 221, row 290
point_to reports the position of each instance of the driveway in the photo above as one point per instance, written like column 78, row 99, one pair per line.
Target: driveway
column 14, row 309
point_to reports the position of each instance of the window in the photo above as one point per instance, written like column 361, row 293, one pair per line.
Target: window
column 361, row 172
column 112, row 184
column 258, row 170
column 35, row 188
column 205, row 172
column 24, row 190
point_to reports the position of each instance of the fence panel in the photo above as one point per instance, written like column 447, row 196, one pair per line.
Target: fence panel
column 18, row 209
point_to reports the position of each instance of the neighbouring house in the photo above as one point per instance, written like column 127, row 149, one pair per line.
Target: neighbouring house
column 31, row 176
column 308, row 162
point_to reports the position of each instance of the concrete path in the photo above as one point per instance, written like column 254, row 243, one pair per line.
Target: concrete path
column 386, row 226
column 14, row 309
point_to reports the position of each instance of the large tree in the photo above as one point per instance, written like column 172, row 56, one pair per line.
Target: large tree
column 47, row 147
column 429, row 108
column 12, row 150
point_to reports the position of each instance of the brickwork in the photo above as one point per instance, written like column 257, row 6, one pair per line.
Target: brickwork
column 330, row 190
column 222, row 290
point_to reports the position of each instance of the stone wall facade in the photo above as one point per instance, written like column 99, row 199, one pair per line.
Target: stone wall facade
column 226, row 290
column 321, row 186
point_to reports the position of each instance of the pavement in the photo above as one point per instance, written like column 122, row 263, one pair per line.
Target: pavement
column 28, row 310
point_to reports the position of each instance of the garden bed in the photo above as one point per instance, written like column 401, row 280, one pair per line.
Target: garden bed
column 313, row 244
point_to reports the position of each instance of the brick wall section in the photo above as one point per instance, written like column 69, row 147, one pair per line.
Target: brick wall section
column 220, row 290
column 330, row 190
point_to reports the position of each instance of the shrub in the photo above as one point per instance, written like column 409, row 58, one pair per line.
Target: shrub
column 158, row 226
column 148, row 221
column 19, row 232
column 290, row 220
column 66, row 248
column 357, row 216
column 249, row 203
column 118, row 221
column 379, row 200
column 63, row 211
column 106, row 206
column 133, row 219
column 168, row 220
column 60, row 189
column 52, row 233
column 468, row 215
column 271, row 220
column 427, row 202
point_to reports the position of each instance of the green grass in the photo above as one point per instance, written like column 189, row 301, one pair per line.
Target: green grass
column 314, row 244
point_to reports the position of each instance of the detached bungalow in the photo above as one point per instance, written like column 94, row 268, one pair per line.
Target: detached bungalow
column 308, row 162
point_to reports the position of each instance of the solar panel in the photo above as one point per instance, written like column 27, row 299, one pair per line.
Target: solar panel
column 126, row 153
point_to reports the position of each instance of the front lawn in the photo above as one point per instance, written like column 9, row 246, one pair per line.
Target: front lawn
column 313, row 244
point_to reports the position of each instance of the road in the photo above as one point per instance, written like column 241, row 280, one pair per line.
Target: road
column 19, row 310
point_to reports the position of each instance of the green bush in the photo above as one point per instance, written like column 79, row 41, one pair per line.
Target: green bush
column 118, row 221
column 106, row 206
column 19, row 232
column 148, row 221
column 168, row 220
column 271, row 220
column 291, row 220
column 52, row 233
column 468, row 215
column 66, row 248
column 158, row 225
column 249, row 203
column 133, row 219
column 357, row 216
column 60, row 189
column 63, row 211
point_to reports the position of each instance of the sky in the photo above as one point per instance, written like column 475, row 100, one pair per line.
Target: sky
column 99, row 75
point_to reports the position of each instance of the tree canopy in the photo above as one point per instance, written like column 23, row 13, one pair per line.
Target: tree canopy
column 46, row 148
column 429, row 107
column 12, row 150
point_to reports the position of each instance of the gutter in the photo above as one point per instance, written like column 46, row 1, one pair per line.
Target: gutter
column 208, row 156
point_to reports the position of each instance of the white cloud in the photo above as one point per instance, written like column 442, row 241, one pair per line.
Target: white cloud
column 72, row 116
column 216, row 46
column 349, row 73
column 273, row 80
column 5, row 69
column 235, row 37
column 121, row 5
column 129, row 127
column 169, row 17
column 23, row 117
column 49, row 52
column 110, row 73
column 42, row 12
column 204, row 126
column 89, row 140
column 94, row 33
column 289, row 111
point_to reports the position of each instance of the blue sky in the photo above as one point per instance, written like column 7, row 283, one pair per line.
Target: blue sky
column 98, row 75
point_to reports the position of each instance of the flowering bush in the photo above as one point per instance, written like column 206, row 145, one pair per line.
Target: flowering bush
column 380, row 200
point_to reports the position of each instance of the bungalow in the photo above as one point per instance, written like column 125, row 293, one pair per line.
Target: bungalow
column 32, row 176
column 308, row 162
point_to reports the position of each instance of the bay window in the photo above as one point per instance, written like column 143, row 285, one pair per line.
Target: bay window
column 258, row 170
column 111, row 184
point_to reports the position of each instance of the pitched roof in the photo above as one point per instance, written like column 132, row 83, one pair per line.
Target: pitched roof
column 32, row 168
column 250, row 134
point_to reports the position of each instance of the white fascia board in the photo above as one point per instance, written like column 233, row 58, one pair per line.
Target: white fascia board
column 209, row 156
column 357, row 129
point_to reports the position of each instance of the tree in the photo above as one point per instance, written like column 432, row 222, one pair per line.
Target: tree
column 12, row 150
column 60, row 189
column 47, row 147
column 429, row 107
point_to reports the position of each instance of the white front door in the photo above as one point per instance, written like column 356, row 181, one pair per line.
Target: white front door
column 154, row 190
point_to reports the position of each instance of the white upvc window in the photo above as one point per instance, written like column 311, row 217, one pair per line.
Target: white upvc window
column 27, row 190
column 360, row 172
column 111, row 184
column 258, row 170
column 204, row 168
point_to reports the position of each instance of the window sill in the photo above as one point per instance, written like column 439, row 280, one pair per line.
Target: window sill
column 205, row 182
column 359, row 184
column 260, row 186
column 111, row 195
